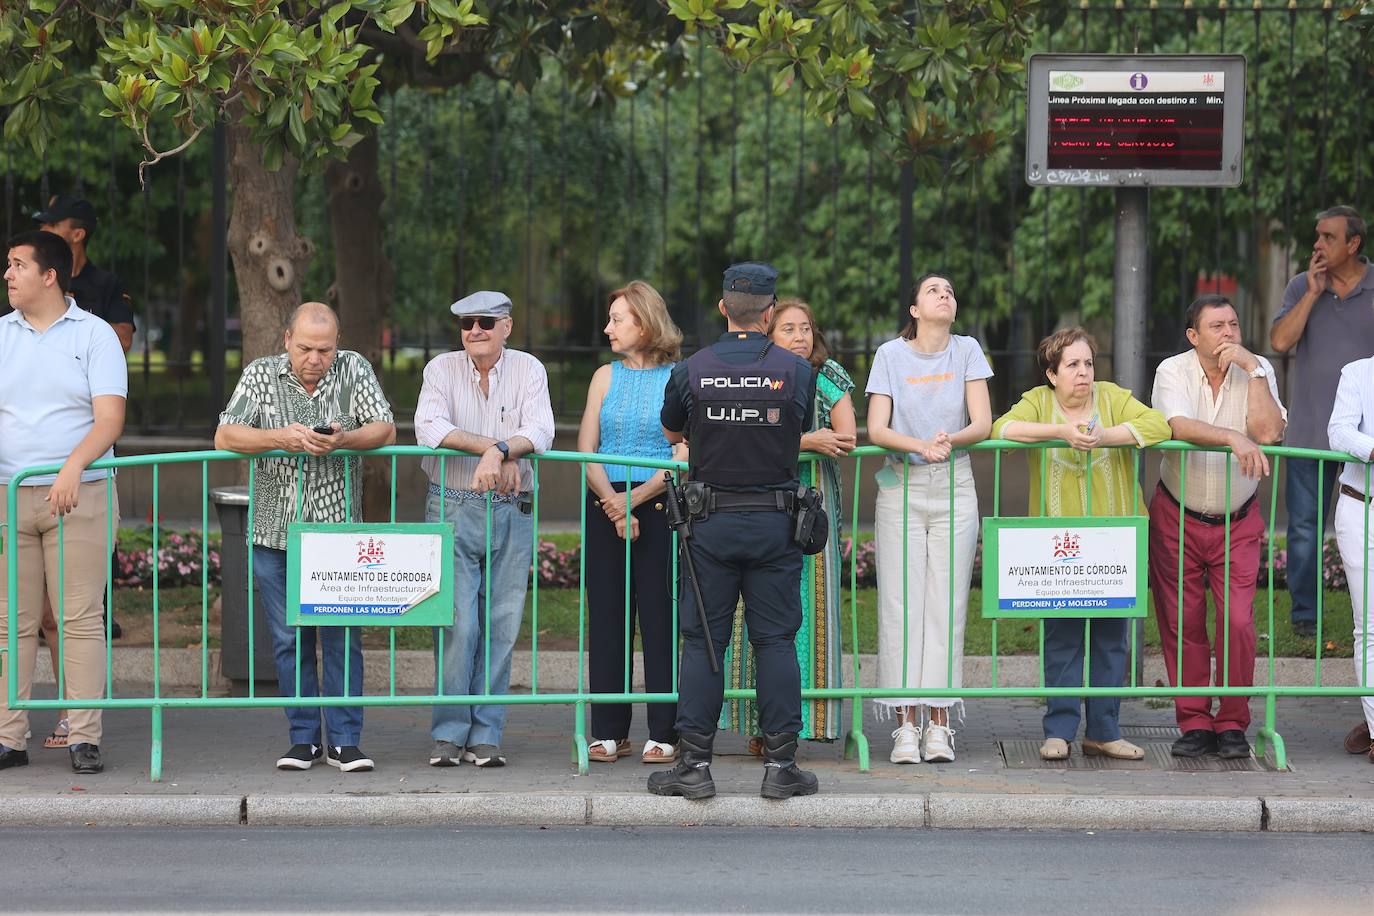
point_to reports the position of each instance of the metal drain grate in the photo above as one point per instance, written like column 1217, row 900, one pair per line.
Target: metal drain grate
column 1025, row 755
column 1168, row 732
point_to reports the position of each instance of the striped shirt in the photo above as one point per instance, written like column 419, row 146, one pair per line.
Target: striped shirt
column 1182, row 390
column 517, row 404
column 269, row 396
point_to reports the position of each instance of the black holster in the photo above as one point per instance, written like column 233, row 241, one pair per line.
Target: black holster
column 810, row 524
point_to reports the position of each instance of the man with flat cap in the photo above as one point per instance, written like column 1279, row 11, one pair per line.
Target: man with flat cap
column 97, row 291
column 493, row 403
column 742, row 405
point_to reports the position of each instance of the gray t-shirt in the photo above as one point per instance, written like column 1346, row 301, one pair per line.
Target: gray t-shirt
column 1338, row 331
column 927, row 389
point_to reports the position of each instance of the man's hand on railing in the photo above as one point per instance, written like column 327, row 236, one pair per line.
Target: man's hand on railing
column 300, row 438
column 488, row 474
column 825, row 441
column 1253, row 463
column 510, row 477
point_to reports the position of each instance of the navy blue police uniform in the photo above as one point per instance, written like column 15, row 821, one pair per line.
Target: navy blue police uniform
column 742, row 404
column 95, row 290
column 102, row 294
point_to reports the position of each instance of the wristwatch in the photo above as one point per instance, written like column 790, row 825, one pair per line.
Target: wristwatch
column 1261, row 371
column 501, row 446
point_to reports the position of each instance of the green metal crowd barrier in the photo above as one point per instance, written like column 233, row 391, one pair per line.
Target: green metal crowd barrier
column 1269, row 741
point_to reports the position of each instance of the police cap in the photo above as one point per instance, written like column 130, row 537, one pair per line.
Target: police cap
column 753, row 277
column 63, row 207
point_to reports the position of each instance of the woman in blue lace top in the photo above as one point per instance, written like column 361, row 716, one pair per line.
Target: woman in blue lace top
column 622, row 418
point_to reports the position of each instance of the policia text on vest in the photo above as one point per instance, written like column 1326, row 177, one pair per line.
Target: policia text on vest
column 741, row 404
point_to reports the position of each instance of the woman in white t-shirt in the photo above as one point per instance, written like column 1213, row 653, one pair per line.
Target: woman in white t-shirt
column 928, row 396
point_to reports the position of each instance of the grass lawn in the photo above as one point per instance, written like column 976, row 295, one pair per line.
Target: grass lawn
column 180, row 624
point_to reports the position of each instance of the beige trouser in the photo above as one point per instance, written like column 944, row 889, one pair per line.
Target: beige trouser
column 87, row 533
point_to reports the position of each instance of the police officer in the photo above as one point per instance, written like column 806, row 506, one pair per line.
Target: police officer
column 97, row 291
column 742, row 404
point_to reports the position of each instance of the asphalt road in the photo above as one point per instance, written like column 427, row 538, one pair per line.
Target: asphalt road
column 589, row 869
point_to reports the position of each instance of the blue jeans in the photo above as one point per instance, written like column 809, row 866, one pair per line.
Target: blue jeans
column 463, row 667
column 1305, row 535
column 1064, row 668
column 343, row 725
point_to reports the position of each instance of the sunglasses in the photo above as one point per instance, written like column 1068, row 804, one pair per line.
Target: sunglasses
column 486, row 322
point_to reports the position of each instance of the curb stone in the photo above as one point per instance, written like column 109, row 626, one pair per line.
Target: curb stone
column 1071, row 812
column 736, row 811
column 420, row 810
column 121, row 811
column 937, row 810
column 1320, row 815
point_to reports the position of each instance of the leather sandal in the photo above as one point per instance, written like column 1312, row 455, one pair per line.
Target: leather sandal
column 608, row 750
column 1120, row 749
column 58, row 738
column 1054, row 749
column 658, row 752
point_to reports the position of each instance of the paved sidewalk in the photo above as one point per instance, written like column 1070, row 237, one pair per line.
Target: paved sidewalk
column 218, row 768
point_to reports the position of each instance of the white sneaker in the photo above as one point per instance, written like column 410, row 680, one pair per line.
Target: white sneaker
column 906, row 744
column 939, row 744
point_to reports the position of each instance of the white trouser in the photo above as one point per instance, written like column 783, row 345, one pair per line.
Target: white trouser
column 1355, row 556
column 916, row 629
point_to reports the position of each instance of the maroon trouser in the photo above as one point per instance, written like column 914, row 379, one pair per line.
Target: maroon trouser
column 1204, row 565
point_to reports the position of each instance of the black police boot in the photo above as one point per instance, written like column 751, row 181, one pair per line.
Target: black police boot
column 781, row 776
column 690, row 777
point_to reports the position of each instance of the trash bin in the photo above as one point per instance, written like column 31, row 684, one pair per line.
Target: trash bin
column 231, row 504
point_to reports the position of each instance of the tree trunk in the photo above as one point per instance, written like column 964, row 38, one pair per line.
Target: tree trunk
column 267, row 253
column 363, row 278
column 363, row 282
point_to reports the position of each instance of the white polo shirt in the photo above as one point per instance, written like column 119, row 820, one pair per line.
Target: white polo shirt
column 47, row 381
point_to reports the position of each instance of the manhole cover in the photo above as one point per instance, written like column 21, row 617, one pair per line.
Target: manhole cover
column 1025, row 755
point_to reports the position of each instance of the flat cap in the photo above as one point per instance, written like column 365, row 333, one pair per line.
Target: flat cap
column 753, row 277
column 483, row 302
column 62, row 207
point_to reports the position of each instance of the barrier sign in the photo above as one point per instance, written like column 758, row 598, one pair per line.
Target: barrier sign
column 1065, row 567
column 1135, row 120
column 369, row 575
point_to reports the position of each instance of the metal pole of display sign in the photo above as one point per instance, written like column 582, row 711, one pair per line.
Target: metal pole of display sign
column 1132, row 122
column 1131, row 294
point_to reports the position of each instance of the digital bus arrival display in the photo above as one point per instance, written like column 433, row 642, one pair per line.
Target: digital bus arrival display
column 1136, row 119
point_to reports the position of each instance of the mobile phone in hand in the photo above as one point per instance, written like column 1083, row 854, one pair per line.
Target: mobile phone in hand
column 325, row 430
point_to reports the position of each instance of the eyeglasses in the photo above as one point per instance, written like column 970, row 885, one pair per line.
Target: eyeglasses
column 486, row 322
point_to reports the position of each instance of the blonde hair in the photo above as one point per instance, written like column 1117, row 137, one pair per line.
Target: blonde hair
column 820, row 350
column 664, row 340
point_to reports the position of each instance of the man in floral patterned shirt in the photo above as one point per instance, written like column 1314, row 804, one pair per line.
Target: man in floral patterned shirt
column 277, row 405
